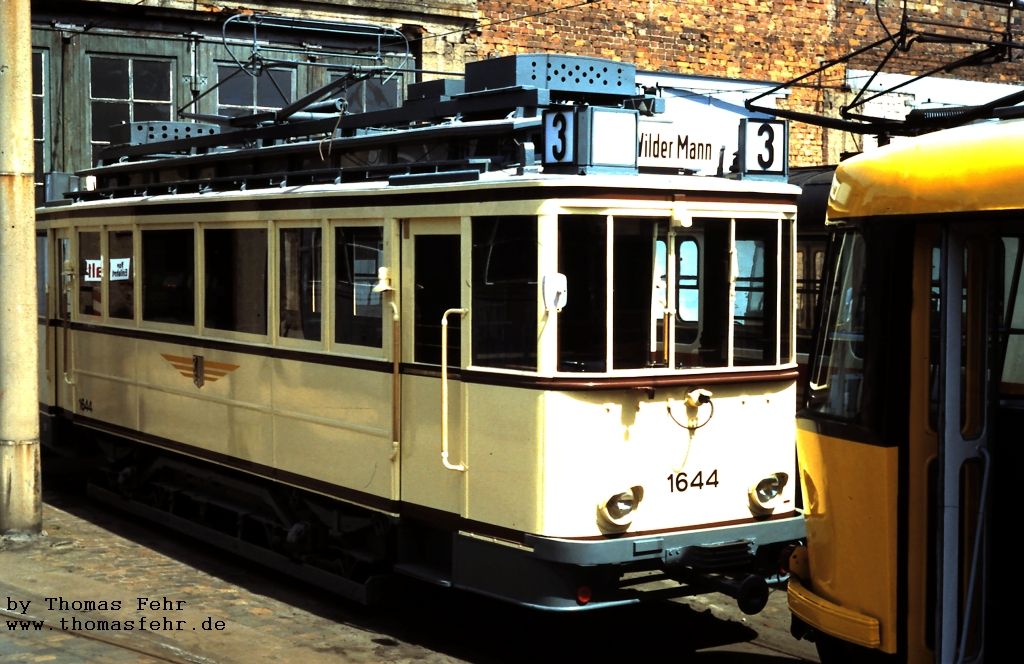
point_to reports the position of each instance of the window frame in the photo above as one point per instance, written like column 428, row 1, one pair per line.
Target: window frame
column 95, row 146
column 330, row 272
column 724, row 218
column 202, row 286
column 294, row 87
column 41, row 133
column 142, row 274
column 534, row 279
column 326, row 309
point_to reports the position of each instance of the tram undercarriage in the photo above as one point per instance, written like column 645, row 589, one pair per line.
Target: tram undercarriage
column 359, row 553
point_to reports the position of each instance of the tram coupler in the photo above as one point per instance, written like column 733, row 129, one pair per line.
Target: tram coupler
column 701, row 568
column 749, row 590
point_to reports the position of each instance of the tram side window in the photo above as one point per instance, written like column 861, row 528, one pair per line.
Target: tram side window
column 755, row 306
column 90, row 268
column 504, row 301
column 810, row 263
column 582, row 324
column 120, row 277
column 358, row 253
column 301, row 283
column 235, row 271
column 168, row 276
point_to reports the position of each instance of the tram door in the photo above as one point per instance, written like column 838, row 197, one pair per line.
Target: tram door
column 64, row 274
column 433, row 414
column 961, row 319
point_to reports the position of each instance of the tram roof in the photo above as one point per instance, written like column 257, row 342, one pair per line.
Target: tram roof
column 487, row 186
column 970, row 168
column 527, row 120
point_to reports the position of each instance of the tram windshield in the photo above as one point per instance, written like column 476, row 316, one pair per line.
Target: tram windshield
column 859, row 369
column 649, row 294
column 837, row 381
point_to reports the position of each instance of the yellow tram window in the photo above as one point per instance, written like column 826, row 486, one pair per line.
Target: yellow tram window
column 1012, row 382
column 972, row 319
column 836, row 385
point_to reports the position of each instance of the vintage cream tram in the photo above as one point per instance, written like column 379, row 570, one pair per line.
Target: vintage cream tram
column 466, row 340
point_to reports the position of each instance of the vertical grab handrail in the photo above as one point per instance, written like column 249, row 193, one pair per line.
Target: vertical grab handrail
column 444, row 389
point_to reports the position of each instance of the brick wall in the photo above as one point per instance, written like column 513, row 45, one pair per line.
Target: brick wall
column 764, row 40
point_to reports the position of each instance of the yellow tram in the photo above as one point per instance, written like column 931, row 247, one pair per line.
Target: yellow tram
column 914, row 410
column 466, row 340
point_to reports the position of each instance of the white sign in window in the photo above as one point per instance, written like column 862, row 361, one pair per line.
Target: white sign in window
column 93, row 269
column 120, row 269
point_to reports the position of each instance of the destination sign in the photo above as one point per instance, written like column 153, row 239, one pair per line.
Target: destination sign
column 704, row 144
column 677, row 145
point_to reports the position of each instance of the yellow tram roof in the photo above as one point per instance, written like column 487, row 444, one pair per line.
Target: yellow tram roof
column 974, row 167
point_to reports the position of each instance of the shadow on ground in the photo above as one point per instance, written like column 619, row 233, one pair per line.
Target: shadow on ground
column 460, row 625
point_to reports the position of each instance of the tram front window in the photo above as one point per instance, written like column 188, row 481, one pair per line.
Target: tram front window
column 707, row 260
column 837, row 379
column 860, row 370
column 723, row 310
column 1012, row 376
column 635, row 298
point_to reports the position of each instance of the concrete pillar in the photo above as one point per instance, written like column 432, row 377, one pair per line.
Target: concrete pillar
column 20, row 486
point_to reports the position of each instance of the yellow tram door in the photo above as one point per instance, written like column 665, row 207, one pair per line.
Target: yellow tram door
column 433, row 449
column 946, row 594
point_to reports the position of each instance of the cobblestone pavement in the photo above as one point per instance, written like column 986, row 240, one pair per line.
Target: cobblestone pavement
column 176, row 602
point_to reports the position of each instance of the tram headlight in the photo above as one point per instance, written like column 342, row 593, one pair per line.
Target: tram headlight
column 617, row 511
column 766, row 493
